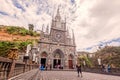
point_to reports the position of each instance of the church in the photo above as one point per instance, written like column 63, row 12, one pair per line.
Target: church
column 56, row 47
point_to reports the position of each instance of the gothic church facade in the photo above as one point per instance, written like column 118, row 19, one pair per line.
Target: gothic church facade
column 56, row 47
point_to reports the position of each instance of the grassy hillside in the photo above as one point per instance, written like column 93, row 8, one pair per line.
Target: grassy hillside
column 13, row 33
column 15, row 37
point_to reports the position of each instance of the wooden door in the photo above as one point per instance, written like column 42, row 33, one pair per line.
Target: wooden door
column 70, row 64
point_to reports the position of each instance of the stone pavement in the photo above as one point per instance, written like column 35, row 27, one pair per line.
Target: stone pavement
column 72, row 75
column 62, row 75
column 26, row 76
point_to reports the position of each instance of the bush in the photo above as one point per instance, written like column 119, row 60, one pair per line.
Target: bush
column 86, row 59
column 12, row 30
column 20, row 31
column 6, row 46
column 23, row 32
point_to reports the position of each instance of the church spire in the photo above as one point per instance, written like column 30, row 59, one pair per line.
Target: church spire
column 65, row 18
column 68, row 35
column 43, row 28
column 53, row 16
column 58, row 11
column 65, row 23
column 73, row 36
column 47, row 29
column 58, row 17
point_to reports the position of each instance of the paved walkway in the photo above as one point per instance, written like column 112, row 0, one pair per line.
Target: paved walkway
column 72, row 75
column 26, row 76
column 62, row 75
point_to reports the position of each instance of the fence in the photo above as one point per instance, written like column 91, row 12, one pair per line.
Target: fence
column 9, row 68
column 113, row 71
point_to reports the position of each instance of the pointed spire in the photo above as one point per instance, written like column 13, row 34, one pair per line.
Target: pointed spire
column 43, row 28
column 65, row 18
column 58, row 11
column 58, row 17
column 53, row 16
column 65, row 23
column 47, row 29
column 73, row 36
column 68, row 33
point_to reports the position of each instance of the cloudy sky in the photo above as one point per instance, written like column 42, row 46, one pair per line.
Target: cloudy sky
column 93, row 21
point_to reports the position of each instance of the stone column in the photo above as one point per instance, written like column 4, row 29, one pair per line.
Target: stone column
column 66, row 62
column 52, row 62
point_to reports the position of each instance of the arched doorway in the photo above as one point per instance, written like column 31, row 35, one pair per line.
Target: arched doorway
column 58, row 58
column 70, row 61
column 43, row 58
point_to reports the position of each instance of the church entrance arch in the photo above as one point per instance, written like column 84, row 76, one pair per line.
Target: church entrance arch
column 70, row 61
column 58, row 58
column 43, row 58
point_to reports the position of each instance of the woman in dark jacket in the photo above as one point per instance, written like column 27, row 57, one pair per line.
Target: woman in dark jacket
column 78, row 66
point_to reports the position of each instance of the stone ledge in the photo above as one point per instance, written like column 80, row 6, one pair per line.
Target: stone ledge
column 2, row 59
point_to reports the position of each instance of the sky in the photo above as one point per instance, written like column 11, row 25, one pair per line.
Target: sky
column 95, row 22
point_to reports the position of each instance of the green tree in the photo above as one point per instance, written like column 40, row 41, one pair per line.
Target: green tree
column 110, row 55
column 6, row 46
column 86, row 59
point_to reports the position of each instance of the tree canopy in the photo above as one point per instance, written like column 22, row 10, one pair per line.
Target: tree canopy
column 110, row 55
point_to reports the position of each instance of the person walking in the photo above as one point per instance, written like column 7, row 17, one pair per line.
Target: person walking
column 109, row 68
column 42, row 67
column 79, row 71
column 103, row 67
column 106, row 68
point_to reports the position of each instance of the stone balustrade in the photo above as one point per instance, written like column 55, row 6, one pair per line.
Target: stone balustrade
column 10, row 68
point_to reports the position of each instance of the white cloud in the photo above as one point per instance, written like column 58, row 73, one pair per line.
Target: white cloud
column 92, row 20
column 101, row 23
column 114, row 44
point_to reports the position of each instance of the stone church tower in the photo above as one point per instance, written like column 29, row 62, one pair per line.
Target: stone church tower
column 56, row 47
